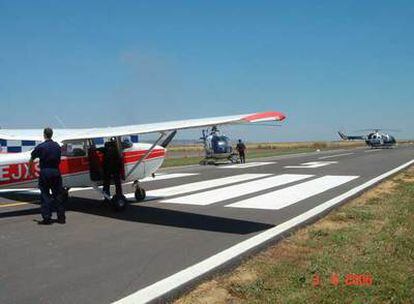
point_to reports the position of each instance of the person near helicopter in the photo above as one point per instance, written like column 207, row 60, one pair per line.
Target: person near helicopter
column 241, row 149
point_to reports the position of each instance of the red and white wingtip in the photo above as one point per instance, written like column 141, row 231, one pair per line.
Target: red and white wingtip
column 265, row 116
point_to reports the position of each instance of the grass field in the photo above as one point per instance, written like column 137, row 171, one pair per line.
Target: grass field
column 192, row 160
column 363, row 252
column 277, row 146
column 192, row 154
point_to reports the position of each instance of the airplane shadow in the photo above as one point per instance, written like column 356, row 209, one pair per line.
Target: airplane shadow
column 144, row 214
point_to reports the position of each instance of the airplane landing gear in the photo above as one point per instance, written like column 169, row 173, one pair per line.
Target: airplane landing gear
column 140, row 193
column 119, row 202
column 65, row 194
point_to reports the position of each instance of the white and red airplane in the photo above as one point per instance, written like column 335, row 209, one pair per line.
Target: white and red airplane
column 81, row 164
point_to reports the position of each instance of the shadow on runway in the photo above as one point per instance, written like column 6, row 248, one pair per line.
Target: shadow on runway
column 145, row 214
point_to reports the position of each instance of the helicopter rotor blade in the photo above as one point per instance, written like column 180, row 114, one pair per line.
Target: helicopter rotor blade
column 376, row 130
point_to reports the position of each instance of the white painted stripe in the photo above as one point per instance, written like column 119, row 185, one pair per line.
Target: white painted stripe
column 222, row 194
column 75, row 189
column 337, row 155
column 373, row 150
column 147, row 179
column 167, row 176
column 203, row 185
column 282, row 198
column 247, row 165
column 312, row 165
column 160, row 288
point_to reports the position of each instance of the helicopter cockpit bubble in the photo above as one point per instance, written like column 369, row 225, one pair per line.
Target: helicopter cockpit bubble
column 220, row 144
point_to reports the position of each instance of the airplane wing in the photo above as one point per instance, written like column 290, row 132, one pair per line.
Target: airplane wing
column 61, row 135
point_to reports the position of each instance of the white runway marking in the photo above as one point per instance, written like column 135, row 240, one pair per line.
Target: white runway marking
column 180, row 278
column 167, row 176
column 247, row 165
column 206, row 184
column 158, row 177
column 312, row 165
column 282, row 198
column 337, row 155
column 222, row 194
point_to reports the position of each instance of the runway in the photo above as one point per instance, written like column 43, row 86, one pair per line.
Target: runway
column 194, row 220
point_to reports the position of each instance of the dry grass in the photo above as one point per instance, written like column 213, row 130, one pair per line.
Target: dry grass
column 281, row 146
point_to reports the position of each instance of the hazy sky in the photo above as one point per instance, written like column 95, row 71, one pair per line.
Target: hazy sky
column 326, row 64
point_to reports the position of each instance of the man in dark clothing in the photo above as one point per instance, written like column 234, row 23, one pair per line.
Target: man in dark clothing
column 112, row 166
column 49, row 154
column 241, row 148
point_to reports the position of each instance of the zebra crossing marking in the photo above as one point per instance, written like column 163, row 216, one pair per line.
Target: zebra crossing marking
column 285, row 197
column 203, row 185
column 167, row 176
column 221, row 194
column 312, row 165
column 247, row 165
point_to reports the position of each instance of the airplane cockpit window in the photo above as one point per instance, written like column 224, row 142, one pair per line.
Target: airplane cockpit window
column 126, row 144
column 73, row 149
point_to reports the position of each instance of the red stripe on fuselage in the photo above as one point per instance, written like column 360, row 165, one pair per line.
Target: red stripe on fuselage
column 17, row 173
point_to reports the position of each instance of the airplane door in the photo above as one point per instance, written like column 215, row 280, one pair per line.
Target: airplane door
column 95, row 164
column 96, row 161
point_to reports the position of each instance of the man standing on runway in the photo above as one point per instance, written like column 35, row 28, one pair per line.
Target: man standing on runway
column 241, row 148
column 50, row 180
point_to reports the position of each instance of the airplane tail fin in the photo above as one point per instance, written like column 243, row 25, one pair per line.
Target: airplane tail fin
column 342, row 135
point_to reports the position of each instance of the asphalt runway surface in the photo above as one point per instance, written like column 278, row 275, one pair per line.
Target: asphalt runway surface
column 194, row 220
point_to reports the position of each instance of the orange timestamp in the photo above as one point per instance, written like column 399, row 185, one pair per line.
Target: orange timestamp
column 350, row 279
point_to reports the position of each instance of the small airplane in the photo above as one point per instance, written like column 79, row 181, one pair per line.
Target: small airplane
column 217, row 147
column 81, row 163
column 374, row 139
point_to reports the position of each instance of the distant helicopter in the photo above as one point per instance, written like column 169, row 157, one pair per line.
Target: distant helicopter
column 374, row 139
column 217, row 148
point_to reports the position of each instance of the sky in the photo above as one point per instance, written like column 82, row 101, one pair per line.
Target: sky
column 327, row 65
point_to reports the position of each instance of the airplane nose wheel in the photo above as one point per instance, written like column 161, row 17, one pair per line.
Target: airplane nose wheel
column 140, row 193
column 119, row 202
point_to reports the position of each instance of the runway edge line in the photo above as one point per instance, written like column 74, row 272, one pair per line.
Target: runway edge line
column 179, row 279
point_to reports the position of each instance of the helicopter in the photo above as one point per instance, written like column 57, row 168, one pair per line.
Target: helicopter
column 217, row 147
column 374, row 139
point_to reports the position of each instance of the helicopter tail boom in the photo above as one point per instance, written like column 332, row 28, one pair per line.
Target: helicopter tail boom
column 346, row 137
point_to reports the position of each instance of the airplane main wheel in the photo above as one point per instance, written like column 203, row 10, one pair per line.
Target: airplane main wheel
column 119, row 202
column 140, row 194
